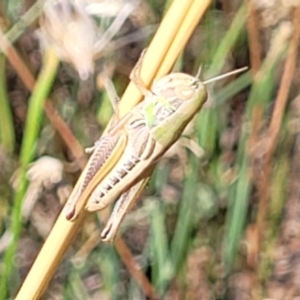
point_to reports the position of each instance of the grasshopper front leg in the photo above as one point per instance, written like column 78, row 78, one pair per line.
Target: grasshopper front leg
column 151, row 98
column 136, row 78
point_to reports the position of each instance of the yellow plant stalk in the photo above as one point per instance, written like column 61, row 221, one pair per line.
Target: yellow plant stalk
column 157, row 59
column 157, row 51
column 192, row 18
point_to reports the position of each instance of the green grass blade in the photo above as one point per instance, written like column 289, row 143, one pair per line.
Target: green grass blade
column 181, row 237
column 236, row 216
column 260, row 95
column 232, row 34
column 233, row 88
column 208, row 119
column 162, row 266
column 7, row 134
column 32, row 126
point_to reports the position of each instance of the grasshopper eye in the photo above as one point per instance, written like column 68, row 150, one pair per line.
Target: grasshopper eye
column 187, row 92
column 196, row 84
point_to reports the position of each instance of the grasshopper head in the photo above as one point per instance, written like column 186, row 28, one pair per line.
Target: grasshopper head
column 184, row 95
column 179, row 97
column 177, row 85
column 184, row 86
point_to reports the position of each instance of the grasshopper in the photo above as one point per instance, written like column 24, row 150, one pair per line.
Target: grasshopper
column 124, row 157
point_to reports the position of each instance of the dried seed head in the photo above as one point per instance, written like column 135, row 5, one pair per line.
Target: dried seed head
column 44, row 172
column 71, row 32
column 108, row 8
column 67, row 27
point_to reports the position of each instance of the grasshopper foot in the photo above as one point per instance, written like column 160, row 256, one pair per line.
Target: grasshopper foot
column 70, row 213
column 135, row 77
column 108, row 234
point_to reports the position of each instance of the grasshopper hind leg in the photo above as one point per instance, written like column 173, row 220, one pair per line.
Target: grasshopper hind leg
column 121, row 207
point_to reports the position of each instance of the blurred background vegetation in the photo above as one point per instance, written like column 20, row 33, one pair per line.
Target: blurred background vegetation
column 219, row 222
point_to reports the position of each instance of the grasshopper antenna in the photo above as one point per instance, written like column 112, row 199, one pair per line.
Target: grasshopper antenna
column 199, row 72
column 223, row 75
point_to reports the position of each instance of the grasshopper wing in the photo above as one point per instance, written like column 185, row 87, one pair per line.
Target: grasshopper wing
column 131, row 166
column 107, row 152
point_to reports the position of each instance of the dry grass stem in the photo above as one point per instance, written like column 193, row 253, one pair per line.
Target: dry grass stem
column 159, row 48
column 275, row 124
column 255, row 59
column 63, row 231
column 193, row 16
column 134, row 269
column 286, row 82
column 253, row 35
